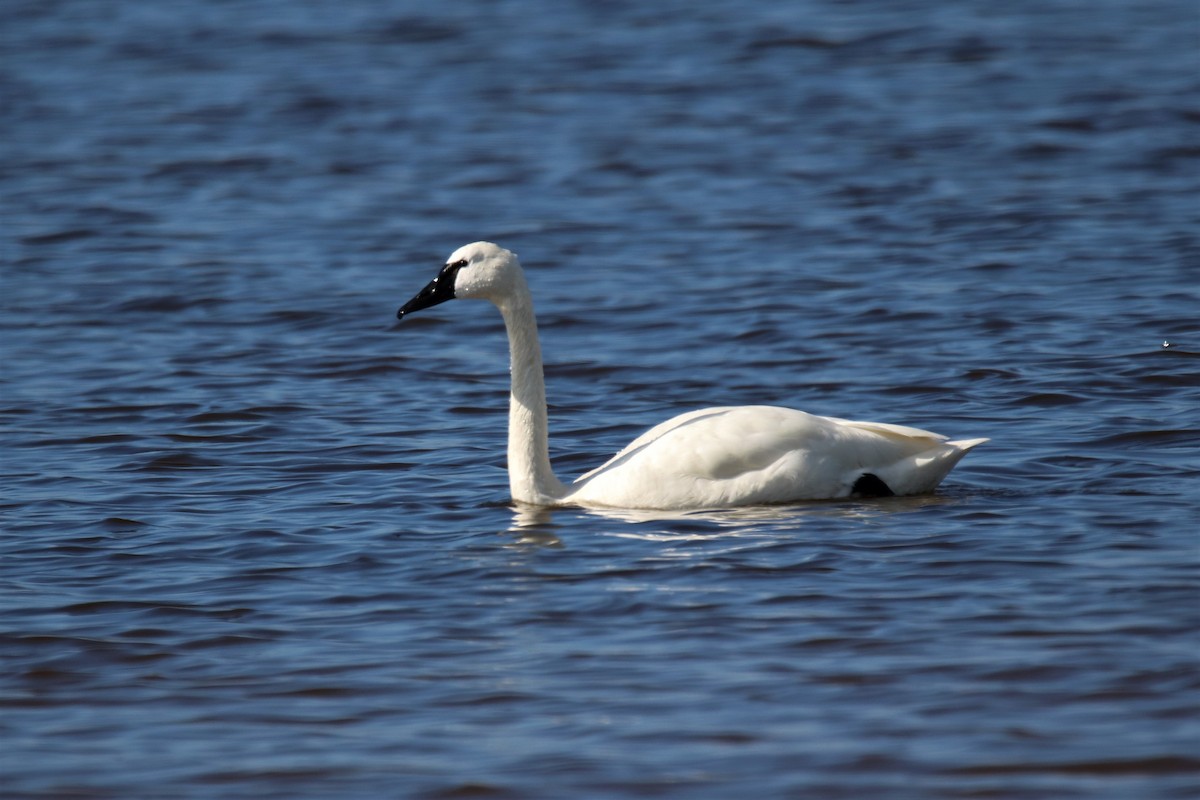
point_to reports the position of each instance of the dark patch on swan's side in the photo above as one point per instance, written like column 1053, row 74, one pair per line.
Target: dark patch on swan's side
column 869, row 485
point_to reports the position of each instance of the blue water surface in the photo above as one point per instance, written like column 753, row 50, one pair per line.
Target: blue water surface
column 256, row 544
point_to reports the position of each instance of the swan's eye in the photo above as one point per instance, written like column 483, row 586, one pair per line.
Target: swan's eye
column 450, row 271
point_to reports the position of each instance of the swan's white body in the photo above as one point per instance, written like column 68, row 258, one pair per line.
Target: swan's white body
column 710, row 458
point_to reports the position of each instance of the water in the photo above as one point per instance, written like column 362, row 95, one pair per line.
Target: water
column 257, row 545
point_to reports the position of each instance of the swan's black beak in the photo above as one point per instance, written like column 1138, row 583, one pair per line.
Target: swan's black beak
column 438, row 290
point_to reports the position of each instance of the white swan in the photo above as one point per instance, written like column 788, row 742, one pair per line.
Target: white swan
column 711, row 458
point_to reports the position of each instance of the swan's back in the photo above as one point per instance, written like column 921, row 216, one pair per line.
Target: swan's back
column 751, row 455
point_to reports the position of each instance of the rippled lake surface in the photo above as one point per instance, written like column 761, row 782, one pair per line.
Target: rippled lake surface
column 258, row 545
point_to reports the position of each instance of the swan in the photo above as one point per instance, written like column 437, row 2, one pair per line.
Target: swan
column 722, row 457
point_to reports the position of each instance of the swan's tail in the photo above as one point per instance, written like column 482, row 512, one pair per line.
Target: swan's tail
column 921, row 473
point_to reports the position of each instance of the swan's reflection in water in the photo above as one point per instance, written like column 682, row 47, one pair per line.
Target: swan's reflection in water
column 535, row 525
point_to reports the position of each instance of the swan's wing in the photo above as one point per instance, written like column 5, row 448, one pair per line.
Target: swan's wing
column 722, row 441
column 738, row 454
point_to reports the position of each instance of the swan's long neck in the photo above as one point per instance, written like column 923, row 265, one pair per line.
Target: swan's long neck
column 529, row 474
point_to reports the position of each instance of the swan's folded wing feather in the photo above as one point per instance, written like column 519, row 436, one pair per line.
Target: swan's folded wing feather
column 649, row 437
column 897, row 433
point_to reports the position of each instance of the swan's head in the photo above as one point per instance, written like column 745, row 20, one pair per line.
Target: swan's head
column 480, row 269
